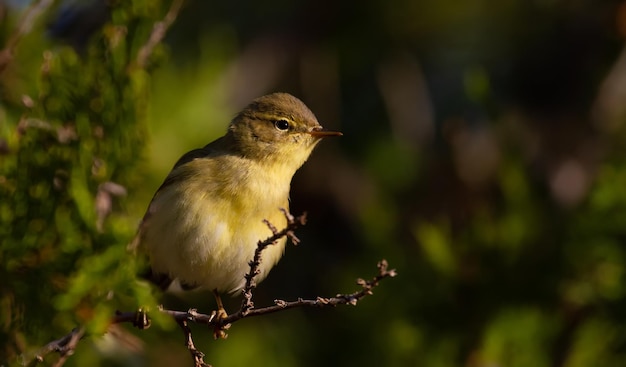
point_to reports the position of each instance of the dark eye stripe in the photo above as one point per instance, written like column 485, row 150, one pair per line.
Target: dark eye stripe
column 281, row 124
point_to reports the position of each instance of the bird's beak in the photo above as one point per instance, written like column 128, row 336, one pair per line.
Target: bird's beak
column 321, row 133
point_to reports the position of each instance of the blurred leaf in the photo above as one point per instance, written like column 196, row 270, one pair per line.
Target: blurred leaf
column 437, row 246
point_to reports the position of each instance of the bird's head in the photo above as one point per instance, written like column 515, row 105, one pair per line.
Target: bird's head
column 277, row 129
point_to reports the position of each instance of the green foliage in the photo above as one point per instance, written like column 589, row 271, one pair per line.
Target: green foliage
column 64, row 251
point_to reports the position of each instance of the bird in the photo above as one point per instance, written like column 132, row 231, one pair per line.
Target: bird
column 204, row 222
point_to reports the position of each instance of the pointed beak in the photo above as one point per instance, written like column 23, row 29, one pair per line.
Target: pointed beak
column 321, row 133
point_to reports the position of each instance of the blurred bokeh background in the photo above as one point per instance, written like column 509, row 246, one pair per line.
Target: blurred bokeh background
column 483, row 156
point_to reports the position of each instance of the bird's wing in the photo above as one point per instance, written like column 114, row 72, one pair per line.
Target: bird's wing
column 174, row 176
column 215, row 148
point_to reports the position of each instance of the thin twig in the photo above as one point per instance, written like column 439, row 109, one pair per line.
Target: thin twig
column 280, row 305
column 292, row 224
column 158, row 33
column 198, row 356
column 24, row 26
column 64, row 346
column 340, row 299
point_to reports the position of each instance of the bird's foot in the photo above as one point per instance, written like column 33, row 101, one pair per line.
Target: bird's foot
column 219, row 328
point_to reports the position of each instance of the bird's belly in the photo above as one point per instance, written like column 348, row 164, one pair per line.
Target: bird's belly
column 208, row 243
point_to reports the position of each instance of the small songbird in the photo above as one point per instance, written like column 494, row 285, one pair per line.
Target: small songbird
column 204, row 222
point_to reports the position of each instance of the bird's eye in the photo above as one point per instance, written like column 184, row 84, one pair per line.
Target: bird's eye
column 281, row 124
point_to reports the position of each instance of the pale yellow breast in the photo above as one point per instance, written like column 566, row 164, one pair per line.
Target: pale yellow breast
column 204, row 230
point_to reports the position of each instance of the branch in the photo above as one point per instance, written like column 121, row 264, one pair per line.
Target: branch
column 158, row 33
column 292, row 224
column 139, row 319
column 340, row 299
column 279, row 305
column 24, row 26
column 64, row 346
column 198, row 356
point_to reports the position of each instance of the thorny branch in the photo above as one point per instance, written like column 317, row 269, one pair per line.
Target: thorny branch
column 198, row 356
column 139, row 319
column 292, row 224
